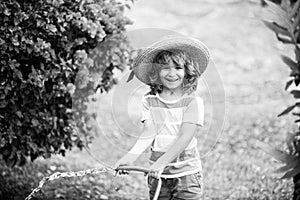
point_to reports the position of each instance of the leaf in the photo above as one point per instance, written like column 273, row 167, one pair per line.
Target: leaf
column 295, row 9
column 19, row 74
column 276, row 14
column 287, row 110
column 277, row 29
column 296, row 94
column 52, row 28
column 288, row 84
column 283, row 169
column 285, row 5
column 275, row 153
column 297, row 34
column 297, row 81
column 19, row 123
column 291, row 173
column 131, row 75
column 35, row 122
column 3, row 103
column 296, row 114
column 285, row 40
column 297, row 53
column 294, row 162
column 292, row 64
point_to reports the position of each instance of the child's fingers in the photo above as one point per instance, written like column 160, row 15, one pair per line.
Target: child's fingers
column 122, row 172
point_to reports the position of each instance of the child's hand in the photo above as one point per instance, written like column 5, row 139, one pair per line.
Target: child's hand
column 156, row 170
column 122, row 162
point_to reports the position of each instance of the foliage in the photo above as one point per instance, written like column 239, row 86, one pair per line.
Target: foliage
column 54, row 54
column 284, row 21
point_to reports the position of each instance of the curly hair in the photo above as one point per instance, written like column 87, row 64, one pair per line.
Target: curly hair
column 180, row 58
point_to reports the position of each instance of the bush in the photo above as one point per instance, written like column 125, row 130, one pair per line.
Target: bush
column 283, row 18
column 53, row 51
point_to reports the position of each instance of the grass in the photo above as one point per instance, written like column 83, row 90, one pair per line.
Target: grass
column 234, row 169
column 246, row 56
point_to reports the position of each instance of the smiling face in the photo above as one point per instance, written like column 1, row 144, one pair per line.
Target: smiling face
column 170, row 69
column 171, row 75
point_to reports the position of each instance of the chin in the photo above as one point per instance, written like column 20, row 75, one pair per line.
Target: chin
column 173, row 86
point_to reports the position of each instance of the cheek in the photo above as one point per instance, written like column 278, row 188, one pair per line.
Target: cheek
column 163, row 73
column 160, row 77
column 182, row 74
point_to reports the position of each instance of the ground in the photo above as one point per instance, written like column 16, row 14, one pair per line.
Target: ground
column 246, row 56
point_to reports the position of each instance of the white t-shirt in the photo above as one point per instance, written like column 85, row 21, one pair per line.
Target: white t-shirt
column 167, row 117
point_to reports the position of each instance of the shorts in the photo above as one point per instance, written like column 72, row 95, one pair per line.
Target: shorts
column 188, row 187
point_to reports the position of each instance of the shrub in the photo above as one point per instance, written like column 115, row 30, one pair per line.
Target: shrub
column 53, row 52
column 283, row 17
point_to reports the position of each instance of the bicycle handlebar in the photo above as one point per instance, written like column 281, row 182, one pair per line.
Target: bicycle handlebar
column 133, row 168
column 144, row 170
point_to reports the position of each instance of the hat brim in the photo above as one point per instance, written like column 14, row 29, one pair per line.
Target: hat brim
column 195, row 49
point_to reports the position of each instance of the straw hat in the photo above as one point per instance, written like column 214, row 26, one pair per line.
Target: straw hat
column 195, row 49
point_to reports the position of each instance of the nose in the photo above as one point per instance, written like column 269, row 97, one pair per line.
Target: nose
column 172, row 71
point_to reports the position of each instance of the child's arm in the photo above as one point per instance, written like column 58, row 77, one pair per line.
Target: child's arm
column 187, row 132
column 144, row 141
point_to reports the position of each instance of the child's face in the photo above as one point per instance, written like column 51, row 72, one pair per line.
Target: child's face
column 171, row 75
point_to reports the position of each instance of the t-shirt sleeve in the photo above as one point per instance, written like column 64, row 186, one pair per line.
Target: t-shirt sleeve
column 146, row 115
column 194, row 112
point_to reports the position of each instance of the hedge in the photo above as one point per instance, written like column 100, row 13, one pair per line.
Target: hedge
column 55, row 54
